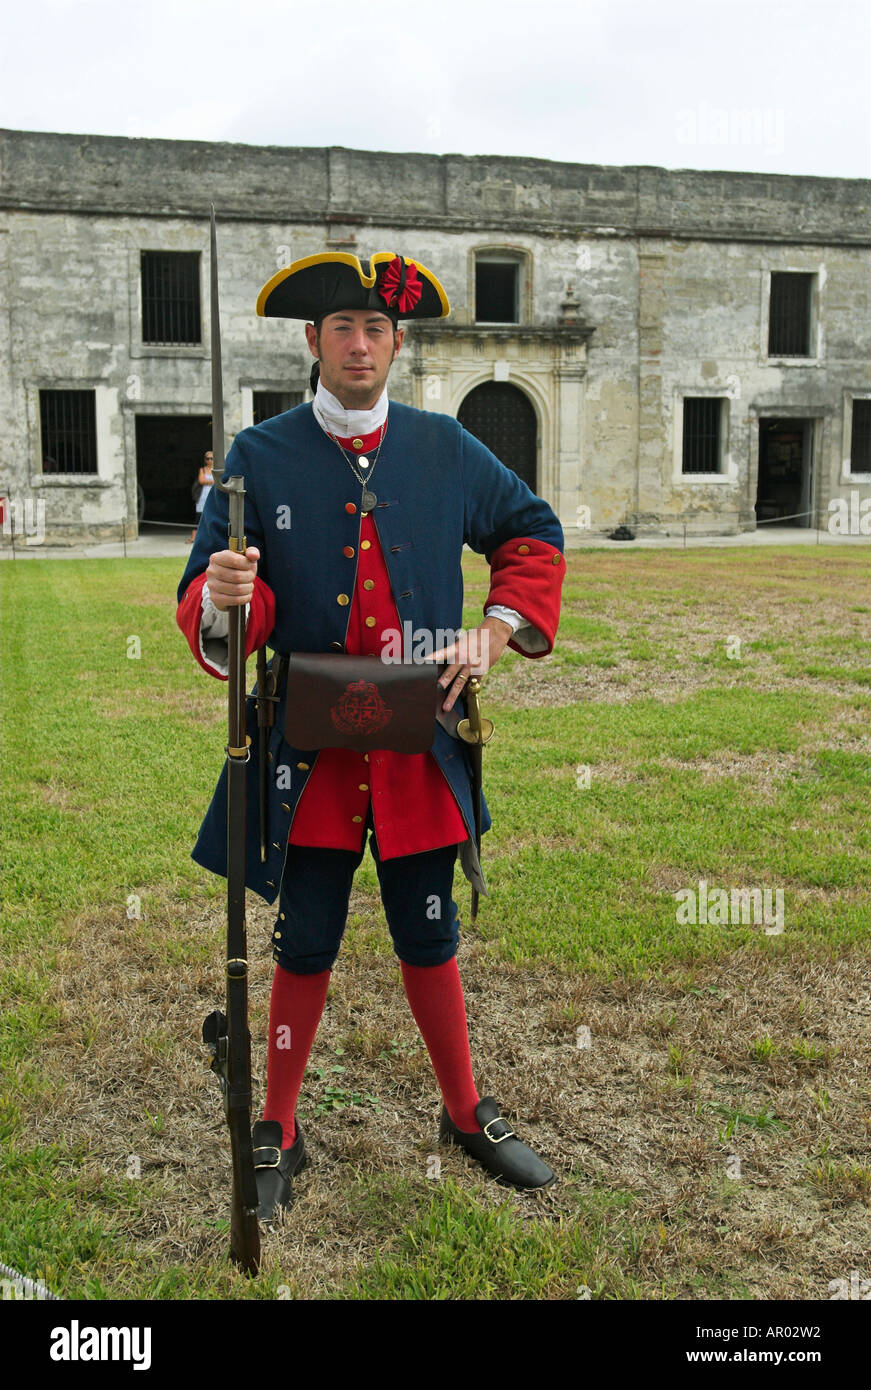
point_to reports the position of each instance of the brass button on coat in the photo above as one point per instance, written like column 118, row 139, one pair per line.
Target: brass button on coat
column 365, row 545
column 363, row 787
column 357, row 820
column 350, row 507
column 342, row 599
column 368, row 583
column 303, row 767
column 523, row 550
column 336, row 647
column 357, row 443
column 556, row 559
column 370, row 622
column 284, row 806
column 348, row 552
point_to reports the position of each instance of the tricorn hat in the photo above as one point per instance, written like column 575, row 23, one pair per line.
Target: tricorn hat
column 333, row 280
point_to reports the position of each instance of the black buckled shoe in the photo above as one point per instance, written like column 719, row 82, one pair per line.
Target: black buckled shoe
column 274, row 1167
column 498, row 1148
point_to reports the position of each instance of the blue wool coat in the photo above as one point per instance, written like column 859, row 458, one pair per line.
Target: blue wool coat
column 437, row 487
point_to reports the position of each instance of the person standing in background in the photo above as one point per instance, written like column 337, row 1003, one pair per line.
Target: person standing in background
column 205, row 483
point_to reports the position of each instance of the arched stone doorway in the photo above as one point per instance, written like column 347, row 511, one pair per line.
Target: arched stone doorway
column 503, row 418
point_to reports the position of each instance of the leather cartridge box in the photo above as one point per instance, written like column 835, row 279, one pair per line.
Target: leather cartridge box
column 361, row 702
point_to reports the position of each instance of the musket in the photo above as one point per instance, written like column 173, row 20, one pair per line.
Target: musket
column 227, row 1034
column 475, row 731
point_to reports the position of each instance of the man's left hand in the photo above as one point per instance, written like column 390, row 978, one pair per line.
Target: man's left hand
column 473, row 654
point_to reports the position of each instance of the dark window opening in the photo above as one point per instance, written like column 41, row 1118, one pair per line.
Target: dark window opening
column 270, row 403
column 701, row 434
column 860, row 438
column 789, row 315
column 496, row 291
column 171, row 297
column 68, row 424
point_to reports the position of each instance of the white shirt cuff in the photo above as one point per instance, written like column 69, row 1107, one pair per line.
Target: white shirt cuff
column 214, row 634
column 528, row 638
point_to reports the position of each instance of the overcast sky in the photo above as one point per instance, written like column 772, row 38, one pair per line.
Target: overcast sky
column 775, row 85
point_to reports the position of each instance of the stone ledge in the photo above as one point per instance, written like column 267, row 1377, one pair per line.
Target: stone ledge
column 112, row 175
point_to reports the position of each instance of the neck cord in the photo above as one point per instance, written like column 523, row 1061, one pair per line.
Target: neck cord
column 351, row 462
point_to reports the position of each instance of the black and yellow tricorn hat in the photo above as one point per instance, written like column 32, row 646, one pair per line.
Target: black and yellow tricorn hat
column 323, row 284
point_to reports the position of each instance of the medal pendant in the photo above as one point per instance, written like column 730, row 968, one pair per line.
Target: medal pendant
column 369, row 501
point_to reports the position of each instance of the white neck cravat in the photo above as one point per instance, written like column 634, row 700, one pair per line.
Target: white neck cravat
column 332, row 416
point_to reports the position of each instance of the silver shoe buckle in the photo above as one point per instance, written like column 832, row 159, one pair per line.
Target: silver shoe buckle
column 267, row 1150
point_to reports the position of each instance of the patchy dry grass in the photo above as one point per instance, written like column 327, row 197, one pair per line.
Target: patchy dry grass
column 663, row 625
column 728, row 1155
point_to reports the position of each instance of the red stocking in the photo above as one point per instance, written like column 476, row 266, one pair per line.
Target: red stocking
column 295, row 1011
column 436, row 998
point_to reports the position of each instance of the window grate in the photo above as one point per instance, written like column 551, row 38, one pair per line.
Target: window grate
column 789, row 315
column 68, row 424
column 701, row 434
column 171, row 297
column 270, row 403
column 860, row 438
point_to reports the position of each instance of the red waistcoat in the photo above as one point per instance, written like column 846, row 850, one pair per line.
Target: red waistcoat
column 413, row 808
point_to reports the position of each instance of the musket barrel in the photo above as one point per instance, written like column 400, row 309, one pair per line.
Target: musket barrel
column 244, row 1228
column 217, row 372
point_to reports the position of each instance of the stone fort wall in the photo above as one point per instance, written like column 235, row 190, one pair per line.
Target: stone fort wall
column 641, row 285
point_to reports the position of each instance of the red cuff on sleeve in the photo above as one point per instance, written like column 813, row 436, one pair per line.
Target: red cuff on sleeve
column 527, row 575
column 261, row 618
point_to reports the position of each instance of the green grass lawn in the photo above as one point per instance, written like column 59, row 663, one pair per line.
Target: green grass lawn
column 647, row 754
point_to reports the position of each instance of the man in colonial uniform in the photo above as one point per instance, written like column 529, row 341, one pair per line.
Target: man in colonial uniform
column 356, row 513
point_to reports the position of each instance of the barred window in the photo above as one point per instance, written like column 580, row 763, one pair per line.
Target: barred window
column 270, row 403
column 171, row 297
column 701, row 434
column 68, row 426
column 860, row 438
column 789, row 315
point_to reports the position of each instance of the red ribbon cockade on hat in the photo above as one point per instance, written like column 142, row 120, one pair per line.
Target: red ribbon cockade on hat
column 399, row 286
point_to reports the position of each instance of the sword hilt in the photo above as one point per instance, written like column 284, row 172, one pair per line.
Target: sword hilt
column 474, row 729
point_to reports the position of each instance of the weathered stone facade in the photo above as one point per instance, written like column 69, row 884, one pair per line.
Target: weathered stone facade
column 638, row 287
